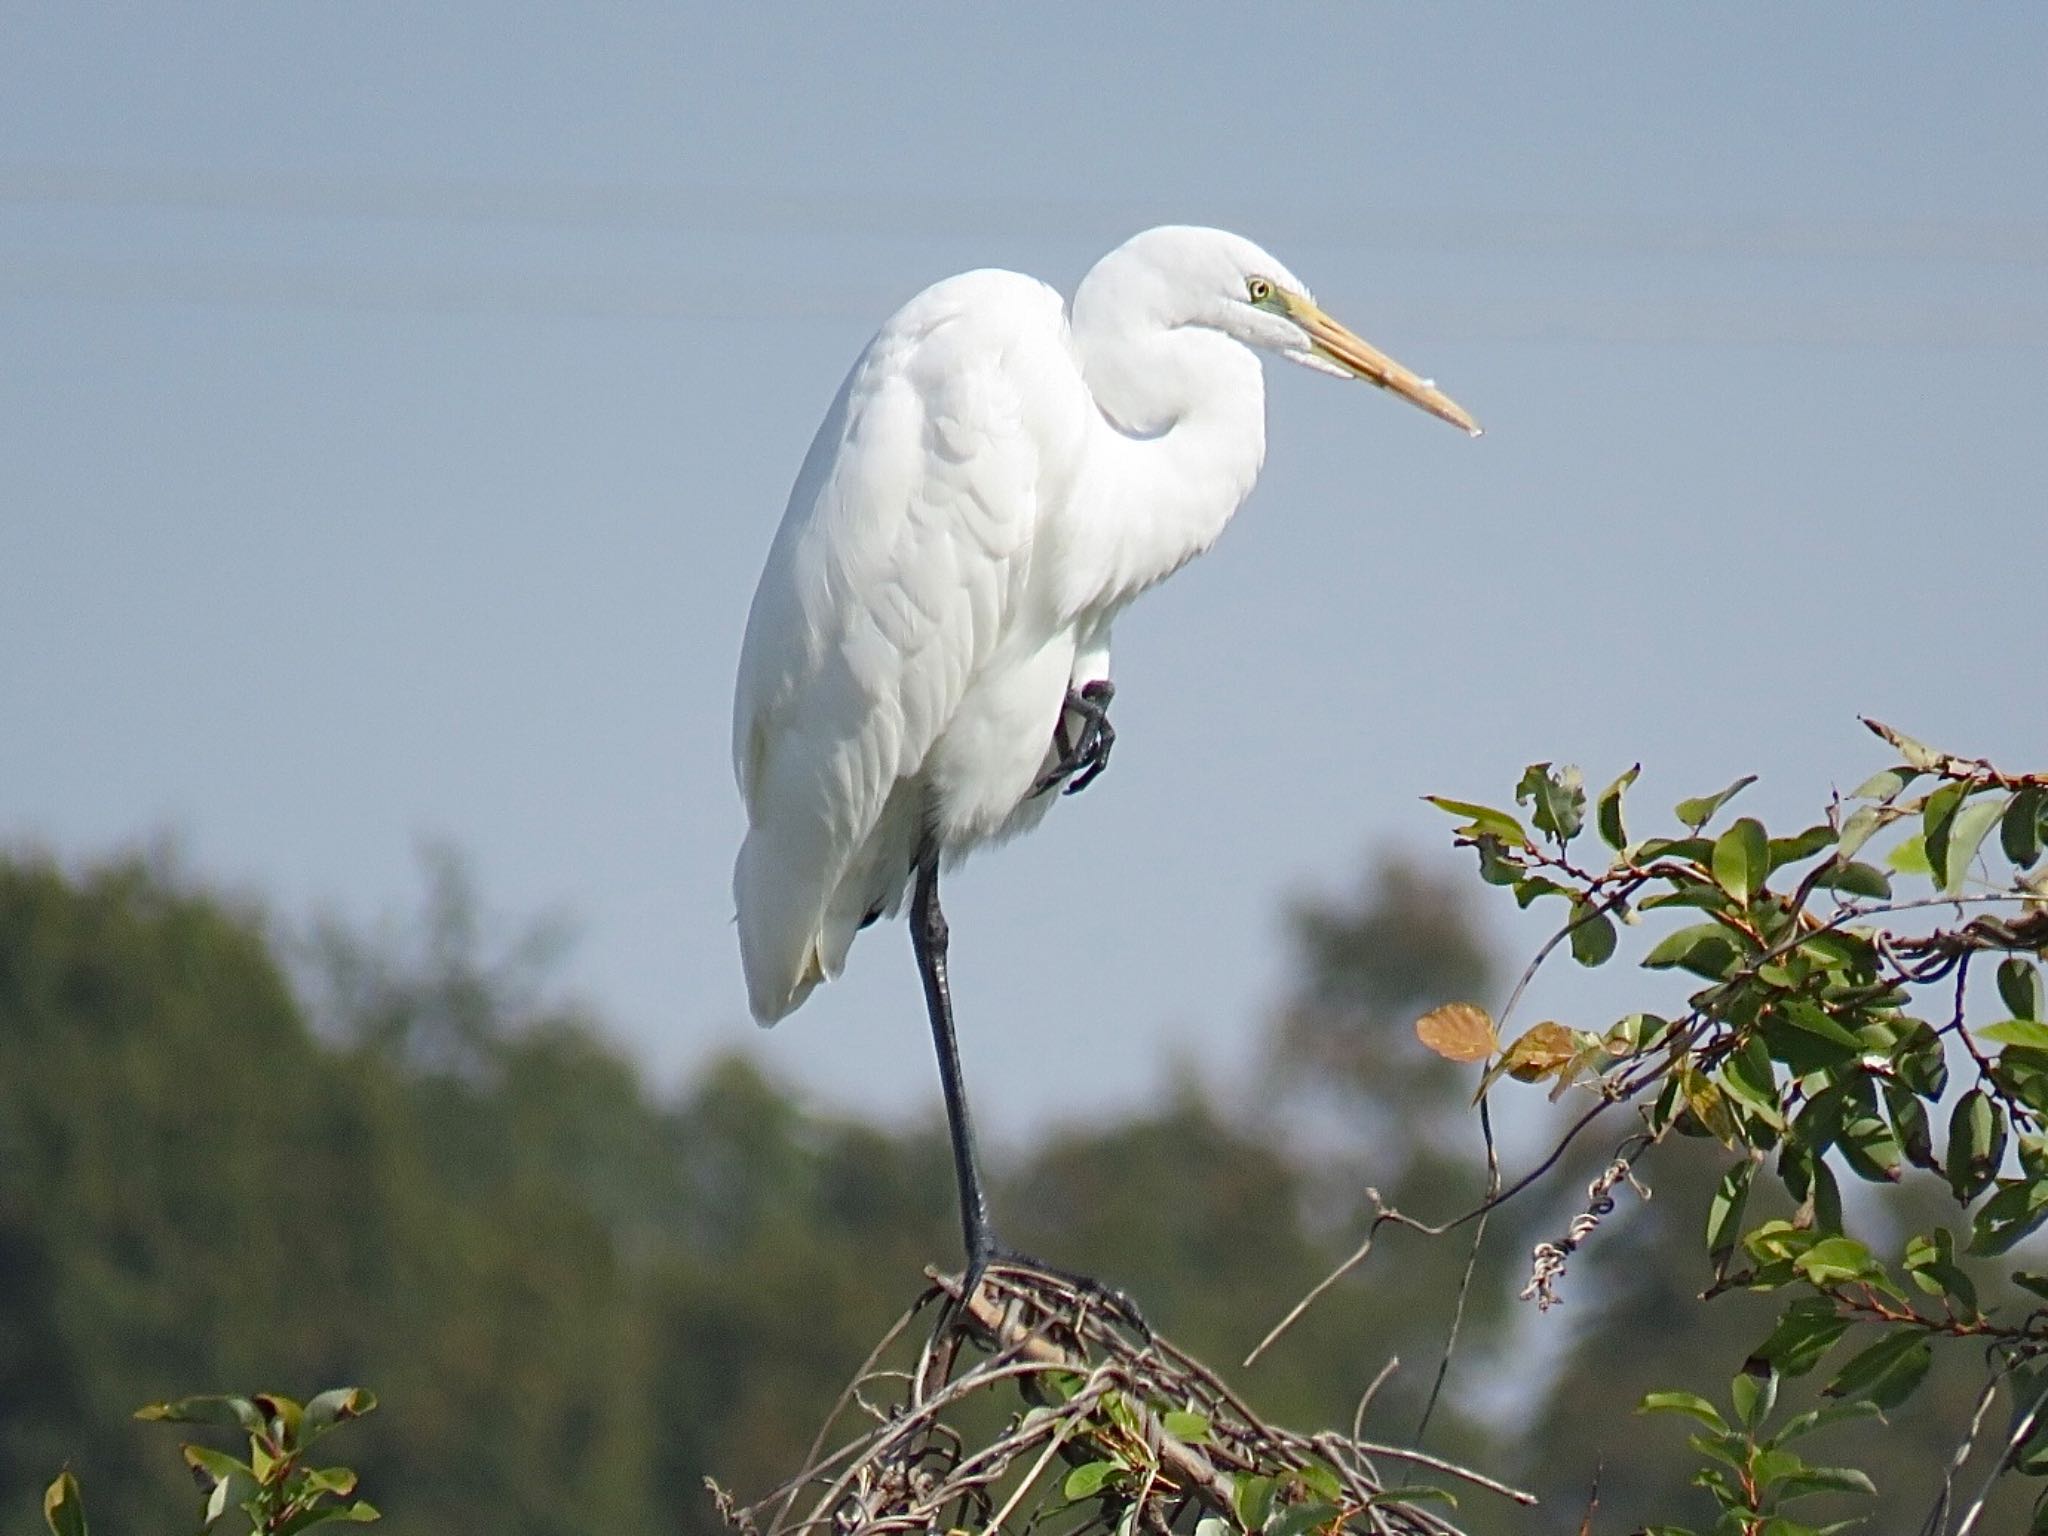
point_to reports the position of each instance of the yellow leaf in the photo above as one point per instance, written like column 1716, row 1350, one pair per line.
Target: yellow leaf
column 1542, row 1049
column 1458, row 1032
column 1709, row 1107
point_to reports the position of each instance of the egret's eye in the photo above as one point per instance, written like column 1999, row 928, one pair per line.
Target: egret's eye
column 1259, row 289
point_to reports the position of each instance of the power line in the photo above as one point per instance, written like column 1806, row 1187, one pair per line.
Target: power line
column 727, row 208
column 680, row 295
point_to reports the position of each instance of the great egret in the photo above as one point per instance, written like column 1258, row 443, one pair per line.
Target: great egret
column 928, row 650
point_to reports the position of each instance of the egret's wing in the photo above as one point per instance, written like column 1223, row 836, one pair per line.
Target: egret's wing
column 903, row 555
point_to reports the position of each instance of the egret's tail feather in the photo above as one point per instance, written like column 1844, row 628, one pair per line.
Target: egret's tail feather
column 779, row 921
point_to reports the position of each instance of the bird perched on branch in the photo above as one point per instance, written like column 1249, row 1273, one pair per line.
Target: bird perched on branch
column 927, row 657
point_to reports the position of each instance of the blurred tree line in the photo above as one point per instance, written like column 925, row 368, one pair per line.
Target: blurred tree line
column 224, row 1165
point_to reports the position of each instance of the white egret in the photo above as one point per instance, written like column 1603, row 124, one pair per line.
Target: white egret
column 928, row 651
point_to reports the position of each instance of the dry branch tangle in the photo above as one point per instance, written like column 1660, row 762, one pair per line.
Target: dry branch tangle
column 1095, row 1390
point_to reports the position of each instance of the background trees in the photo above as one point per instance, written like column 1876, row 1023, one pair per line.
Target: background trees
column 229, row 1160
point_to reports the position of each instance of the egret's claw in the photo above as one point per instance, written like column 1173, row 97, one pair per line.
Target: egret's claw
column 1112, row 1299
column 1082, row 760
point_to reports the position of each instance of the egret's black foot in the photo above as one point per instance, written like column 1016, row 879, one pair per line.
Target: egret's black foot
column 1111, row 1299
column 1081, row 760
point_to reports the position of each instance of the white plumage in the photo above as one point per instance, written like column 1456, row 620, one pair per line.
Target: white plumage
column 990, row 488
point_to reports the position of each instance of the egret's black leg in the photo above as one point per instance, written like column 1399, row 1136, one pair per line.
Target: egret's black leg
column 1087, row 755
column 928, row 937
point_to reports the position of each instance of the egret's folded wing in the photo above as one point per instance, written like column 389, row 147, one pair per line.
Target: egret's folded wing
column 900, row 561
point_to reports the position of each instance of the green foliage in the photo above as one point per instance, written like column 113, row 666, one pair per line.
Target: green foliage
column 275, row 1487
column 1840, row 1030
column 64, row 1506
column 1755, row 1476
column 577, row 1297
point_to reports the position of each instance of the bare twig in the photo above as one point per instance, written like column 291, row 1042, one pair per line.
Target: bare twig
column 1936, row 1523
column 2021, row 1429
column 1443, row 1364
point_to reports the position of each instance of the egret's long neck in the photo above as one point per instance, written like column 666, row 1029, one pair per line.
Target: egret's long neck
column 1181, row 441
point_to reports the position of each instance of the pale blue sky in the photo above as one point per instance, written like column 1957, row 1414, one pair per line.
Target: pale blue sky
column 395, row 406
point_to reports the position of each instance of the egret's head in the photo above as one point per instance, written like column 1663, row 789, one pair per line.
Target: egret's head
column 1212, row 277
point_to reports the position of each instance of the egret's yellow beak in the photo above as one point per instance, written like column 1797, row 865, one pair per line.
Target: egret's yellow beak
column 1366, row 361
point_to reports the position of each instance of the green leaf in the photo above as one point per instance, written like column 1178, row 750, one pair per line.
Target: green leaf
column 217, row 1501
column 1835, row 1259
column 1754, row 1392
column 1633, row 1032
column 1887, row 1372
column 1809, row 1328
column 1931, row 1261
column 1824, row 1480
column 1886, row 785
column 217, row 1465
column 1320, row 1478
column 1976, row 1144
column 1965, row 836
column 1748, row 1078
column 1801, row 846
column 1724, row 1212
column 1253, row 1497
column 335, row 1406
column 2028, row 1032
column 1298, row 1519
column 1813, row 1020
column 362, row 1512
column 1867, row 1143
column 1861, row 824
column 1916, row 753
column 1705, row 949
column 1695, row 850
column 1414, row 1493
column 1825, row 1194
column 2019, row 985
column 1087, row 1480
column 2017, row 1209
column 1911, row 1125
column 1742, row 859
column 2025, row 826
column 1910, row 858
column 1495, row 867
column 1592, row 934
column 1688, row 893
column 1688, row 1403
column 1184, row 1425
column 1697, row 813
column 64, row 1506
column 1918, row 1061
column 1556, row 799
column 1482, row 819
column 1769, row 1465
column 1820, row 1418
column 1607, row 810
column 1856, row 879
column 1937, row 822
column 283, row 1414
column 1731, row 1448
column 231, row 1412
